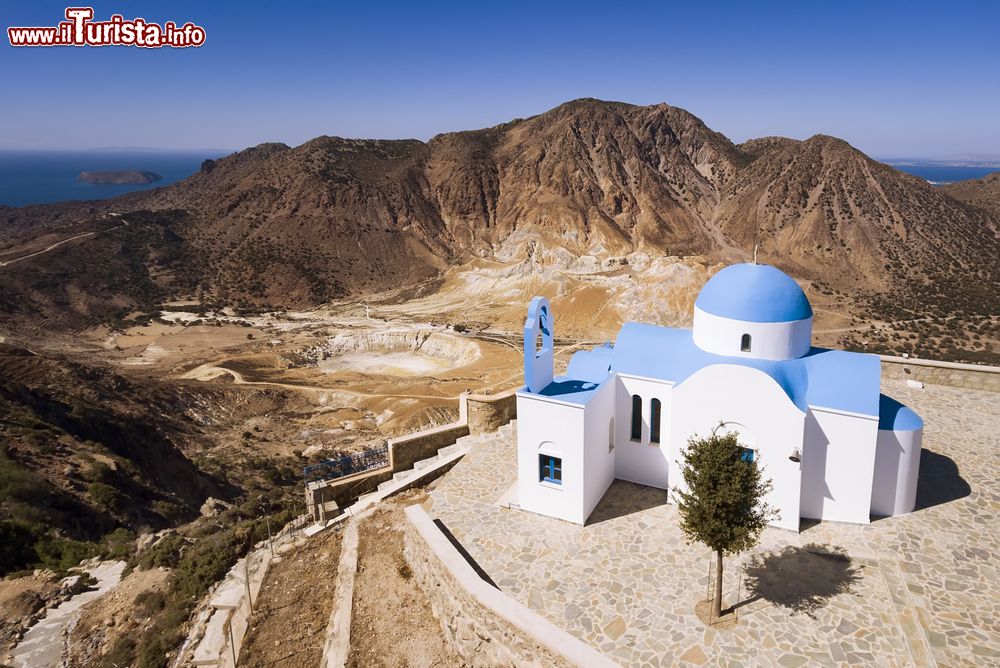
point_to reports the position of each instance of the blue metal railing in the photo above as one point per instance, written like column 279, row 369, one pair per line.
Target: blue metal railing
column 359, row 462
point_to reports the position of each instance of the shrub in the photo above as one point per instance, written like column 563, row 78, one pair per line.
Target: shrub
column 150, row 602
column 105, row 496
column 119, row 544
column 165, row 553
column 16, row 546
column 61, row 553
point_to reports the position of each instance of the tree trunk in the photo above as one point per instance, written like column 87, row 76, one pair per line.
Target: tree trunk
column 717, row 603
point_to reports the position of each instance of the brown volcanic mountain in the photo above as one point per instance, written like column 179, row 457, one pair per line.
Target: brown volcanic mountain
column 332, row 217
column 983, row 193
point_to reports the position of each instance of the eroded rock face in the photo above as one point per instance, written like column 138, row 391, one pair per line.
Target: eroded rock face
column 400, row 352
column 292, row 227
column 594, row 178
column 214, row 507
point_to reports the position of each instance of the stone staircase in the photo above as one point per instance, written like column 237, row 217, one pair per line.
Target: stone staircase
column 446, row 456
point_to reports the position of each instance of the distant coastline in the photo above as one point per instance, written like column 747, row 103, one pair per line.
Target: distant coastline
column 119, row 178
column 45, row 177
column 939, row 173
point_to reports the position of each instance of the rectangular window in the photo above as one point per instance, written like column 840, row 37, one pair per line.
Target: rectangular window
column 747, row 454
column 636, row 417
column 550, row 469
column 654, row 420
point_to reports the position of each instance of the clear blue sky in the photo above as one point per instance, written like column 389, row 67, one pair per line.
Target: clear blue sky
column 892, row 78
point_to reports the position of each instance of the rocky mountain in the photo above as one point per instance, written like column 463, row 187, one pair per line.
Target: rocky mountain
column 274, row 225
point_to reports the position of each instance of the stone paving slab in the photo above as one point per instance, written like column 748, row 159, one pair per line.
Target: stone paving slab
column 913, row 590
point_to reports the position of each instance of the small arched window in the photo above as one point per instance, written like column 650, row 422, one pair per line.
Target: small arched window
column 745, row 343
column 611, row 435
column 636, row 417
column 654, row 420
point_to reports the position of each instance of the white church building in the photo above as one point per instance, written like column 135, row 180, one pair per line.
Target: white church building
column 815, row 419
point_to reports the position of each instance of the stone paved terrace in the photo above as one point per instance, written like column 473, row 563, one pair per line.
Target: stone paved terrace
column 921, row 589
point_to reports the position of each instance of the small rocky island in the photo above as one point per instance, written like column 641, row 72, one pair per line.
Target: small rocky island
column 129, row 177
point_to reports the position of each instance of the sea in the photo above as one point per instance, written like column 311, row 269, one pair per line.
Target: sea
column 41, row 177
column 939, row 175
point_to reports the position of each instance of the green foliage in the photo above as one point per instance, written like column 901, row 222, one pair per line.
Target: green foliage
column 104, row 496
column 26, row 541
column 208, row 560
column 196, row 567
column 119, row 544
column 16, row 546
column 150, row 602
column 723, row 506
column 171, row 512
column 60, row 554
column 19, row 483
column 121, row 654
column 165, row 553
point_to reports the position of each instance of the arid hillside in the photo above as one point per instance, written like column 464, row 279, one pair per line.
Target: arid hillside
column 333, row 218
column 983, row 193
column 86, row 451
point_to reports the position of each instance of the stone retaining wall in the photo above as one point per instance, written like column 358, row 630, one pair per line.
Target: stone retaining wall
column 484, row 625
column 404, row 451
column 971, row 376
column 478, row 413
column 407, row 450
column 489, row 412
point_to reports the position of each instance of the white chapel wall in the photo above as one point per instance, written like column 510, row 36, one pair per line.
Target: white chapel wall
column 560, row 427
column 599, row 461
column 768, row 340
column 897, row 464
column 751, row 398
column 641, row 461
column 838, row 458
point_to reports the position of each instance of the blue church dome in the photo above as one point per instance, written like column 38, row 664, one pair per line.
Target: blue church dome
column 754, row 293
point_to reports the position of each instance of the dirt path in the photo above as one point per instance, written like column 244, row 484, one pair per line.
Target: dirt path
column 212, row 370
column 44, row 644
column 392, row 624
column 22, row 603
column 289, row 621
column 57, row 244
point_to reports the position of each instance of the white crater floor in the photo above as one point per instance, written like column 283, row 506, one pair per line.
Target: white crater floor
column 402, row 353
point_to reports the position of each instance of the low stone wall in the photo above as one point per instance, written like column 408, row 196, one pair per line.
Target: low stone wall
column 478, row 414
column 404, row 451
column 971, row 376
column 484, row 625
column 229, row 602
column 489, row 412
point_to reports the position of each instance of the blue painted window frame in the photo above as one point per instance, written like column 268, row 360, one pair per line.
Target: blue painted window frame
column 550, row 469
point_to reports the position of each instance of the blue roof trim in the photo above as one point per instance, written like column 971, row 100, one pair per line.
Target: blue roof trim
column 570, row 390
column 754, row 293
column 894, row 416
column 833, row 379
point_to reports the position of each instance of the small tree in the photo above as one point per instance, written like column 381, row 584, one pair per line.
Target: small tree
column 723, row 506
